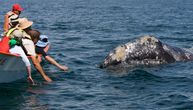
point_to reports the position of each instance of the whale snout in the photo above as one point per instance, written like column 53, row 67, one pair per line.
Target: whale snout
column 115, row 57
column 109, row 62
column 105, row 63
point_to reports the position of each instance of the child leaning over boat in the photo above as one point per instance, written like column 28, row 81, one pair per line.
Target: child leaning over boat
column 42, row 47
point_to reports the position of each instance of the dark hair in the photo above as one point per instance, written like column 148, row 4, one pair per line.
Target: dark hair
column 27, row 29
column 14, row 23
column 35, row 34
column 44, row 40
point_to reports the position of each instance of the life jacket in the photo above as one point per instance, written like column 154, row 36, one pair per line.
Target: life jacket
column 17, row 37
column 4, row 43
column 10, row 31
column 13, row 19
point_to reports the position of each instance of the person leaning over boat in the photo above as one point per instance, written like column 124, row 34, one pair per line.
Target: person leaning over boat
column 41, row 48
column 15, row 48
column 11, row 17
column 23, row 27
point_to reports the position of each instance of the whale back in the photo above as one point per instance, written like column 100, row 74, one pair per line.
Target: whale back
column 178, row 53
column 146, row 50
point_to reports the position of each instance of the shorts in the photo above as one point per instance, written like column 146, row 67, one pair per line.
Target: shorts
column 29, row 46
column 40, row 50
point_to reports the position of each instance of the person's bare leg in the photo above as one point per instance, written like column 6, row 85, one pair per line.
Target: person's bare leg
column 52, row 61
column 40, row 69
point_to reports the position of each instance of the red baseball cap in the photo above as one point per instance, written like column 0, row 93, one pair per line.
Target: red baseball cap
column 17, row 7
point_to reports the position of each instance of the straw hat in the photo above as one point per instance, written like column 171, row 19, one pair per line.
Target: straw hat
column 24, row 23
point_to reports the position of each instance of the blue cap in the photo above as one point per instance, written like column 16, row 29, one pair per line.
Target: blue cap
column 43, row 42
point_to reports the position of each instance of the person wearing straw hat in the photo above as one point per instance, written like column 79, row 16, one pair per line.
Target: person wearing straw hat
column 23, row 27
column 11, row 17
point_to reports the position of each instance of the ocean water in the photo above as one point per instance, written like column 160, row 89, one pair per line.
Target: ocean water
column 82, row 32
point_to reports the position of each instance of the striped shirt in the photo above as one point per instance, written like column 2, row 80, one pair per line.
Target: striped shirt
column 13, row 19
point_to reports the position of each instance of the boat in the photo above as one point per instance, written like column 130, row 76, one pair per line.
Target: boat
column 12, row 68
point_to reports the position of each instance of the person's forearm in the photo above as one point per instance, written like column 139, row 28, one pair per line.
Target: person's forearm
column 6, row 23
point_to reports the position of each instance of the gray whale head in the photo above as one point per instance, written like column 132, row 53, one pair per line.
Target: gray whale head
column 146, row 50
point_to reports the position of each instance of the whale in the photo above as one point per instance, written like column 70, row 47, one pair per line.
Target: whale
column 145, row 51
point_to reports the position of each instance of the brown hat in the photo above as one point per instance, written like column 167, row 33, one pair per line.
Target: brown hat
column 24, row 23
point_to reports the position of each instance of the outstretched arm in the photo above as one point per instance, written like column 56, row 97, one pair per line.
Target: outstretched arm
column 47, row 48
column 52, row 61
column 40, row 69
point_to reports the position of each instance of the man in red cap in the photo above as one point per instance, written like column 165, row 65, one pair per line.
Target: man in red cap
column 11, row 17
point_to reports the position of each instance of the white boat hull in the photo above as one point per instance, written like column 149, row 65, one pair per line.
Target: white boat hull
column 12, row 68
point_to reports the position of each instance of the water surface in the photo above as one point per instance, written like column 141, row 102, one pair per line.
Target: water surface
column 82, row 32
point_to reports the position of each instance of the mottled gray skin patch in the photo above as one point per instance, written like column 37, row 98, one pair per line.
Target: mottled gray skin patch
column 146, row 50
